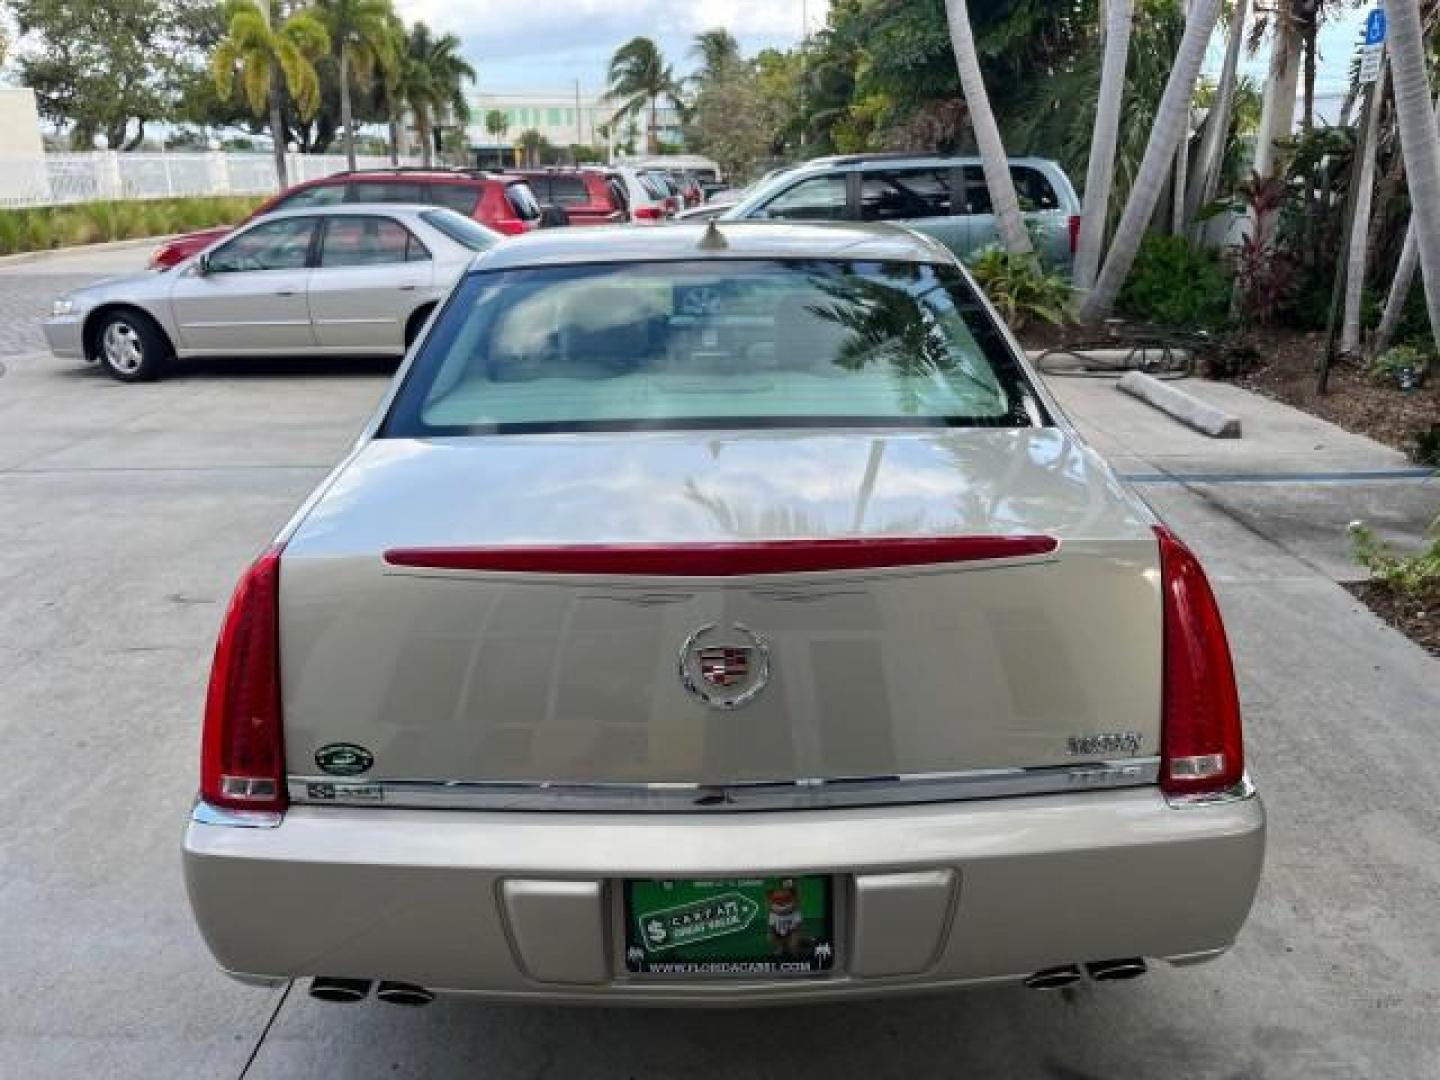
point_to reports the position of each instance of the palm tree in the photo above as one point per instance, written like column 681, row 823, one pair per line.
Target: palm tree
column 1400, row 286
column 533, row 144
column 996, row 165
column 1205, row 177
column 718, row 51
column 639, row 78
column 1420, row 143
column 267, row 60
column 391, row 84
column 1119, row 17
column 496, row 124
column 1360, row 217
column 436, row 75
column 1172, row 121
column 360, row 35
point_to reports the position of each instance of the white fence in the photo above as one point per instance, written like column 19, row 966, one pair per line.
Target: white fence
column 56, row 179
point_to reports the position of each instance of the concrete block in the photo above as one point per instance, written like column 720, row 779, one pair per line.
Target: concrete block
column 1174, row 402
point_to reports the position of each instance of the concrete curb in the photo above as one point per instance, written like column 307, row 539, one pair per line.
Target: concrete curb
column 1188, row 410
column 82, row 249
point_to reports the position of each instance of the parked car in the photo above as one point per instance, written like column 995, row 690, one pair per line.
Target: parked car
column 588, row 196
column 719, row 614
column 689, row 186
column 348, row 279
column 502, row 203
column 703, row 168
column 943, row 196
column 647, row 195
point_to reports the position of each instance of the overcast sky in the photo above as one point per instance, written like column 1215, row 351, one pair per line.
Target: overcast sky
column 545, row 45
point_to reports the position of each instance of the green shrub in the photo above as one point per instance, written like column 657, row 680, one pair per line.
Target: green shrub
column 1404, row 366
column 42, row 227
column 1175, row 283
column 1402, row 573
column 1021, row 288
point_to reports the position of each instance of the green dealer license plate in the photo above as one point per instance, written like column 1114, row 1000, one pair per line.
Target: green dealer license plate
column 764, row 926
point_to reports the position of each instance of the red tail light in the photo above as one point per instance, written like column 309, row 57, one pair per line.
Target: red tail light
column 242, row 757
column 647, row 213
column 508, row 226
column 1074, row 233
column 1202, row 749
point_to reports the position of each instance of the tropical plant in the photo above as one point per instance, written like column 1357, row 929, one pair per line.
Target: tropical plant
column 638, row 78
column 1171, row 123
column 1021, row 288
column 362, row 37
column 1101, row 169
column 1401, row 573
column 993, row 161
column 265, row 60
column 1175, row 283
column 534, row 145
column 1264, row 273
column 1403, row 366
column 435, row 78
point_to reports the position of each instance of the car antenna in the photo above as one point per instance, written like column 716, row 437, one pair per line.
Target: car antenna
column 714, row 239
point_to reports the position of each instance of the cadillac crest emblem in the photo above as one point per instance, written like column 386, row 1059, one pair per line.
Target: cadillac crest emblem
column 724, row 673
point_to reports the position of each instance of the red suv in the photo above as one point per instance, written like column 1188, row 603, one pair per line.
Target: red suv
column 504, row 203
column 588, row 196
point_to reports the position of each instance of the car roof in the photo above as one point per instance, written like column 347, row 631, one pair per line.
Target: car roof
column 362, row 208
column 742, row 240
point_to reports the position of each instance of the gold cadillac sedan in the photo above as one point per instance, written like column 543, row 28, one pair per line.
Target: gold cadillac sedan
column 721, row 614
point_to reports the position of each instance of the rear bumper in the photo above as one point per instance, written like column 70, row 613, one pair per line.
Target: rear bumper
column 525, row 905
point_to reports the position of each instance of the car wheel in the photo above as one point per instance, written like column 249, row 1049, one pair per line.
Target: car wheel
column 130, row 347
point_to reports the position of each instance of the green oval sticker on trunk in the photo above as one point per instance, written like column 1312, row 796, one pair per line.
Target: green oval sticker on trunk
column 344, row 759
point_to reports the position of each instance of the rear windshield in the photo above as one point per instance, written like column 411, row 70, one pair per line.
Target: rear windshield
column 711, row 344
column 461, row 229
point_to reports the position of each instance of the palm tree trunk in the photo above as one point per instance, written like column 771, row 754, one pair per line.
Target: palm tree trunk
column 1419, row 142
column 1404, row 278
column 1277, row 112
column 1360, row 226
column 1003, row 203
column 394, row 139
column 347, row 116
column 277, row 129
column 1100, row 174
column 422, row 129
column 1172, row 120
column 1210, row 159
column 652, row 131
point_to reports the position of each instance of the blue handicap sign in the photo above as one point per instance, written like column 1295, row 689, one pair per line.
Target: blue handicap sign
column 1375, row 27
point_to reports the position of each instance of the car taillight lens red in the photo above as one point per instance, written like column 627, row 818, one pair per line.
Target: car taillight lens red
column 647, row 213
column 1074, row 233
column 509, row 226
column 1201, row 746
column 242, row 749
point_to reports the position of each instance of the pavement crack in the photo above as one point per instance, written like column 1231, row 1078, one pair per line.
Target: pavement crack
column 265, row 1031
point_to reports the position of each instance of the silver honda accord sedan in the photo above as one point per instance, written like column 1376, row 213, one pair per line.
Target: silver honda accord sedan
column 352, row 280
column 721, row 614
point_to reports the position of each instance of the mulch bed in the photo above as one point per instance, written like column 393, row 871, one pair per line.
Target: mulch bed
column 1416, row 616
column 1285, row 370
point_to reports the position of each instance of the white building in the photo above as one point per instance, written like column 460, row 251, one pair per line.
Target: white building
column 564, row 118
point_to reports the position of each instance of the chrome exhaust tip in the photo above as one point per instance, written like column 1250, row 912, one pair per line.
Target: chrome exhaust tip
column 342, row 991
column 1054, row 978
column 398, row 993
column 1116, row 970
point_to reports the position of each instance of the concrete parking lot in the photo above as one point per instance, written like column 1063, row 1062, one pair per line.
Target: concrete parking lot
column 126, row 513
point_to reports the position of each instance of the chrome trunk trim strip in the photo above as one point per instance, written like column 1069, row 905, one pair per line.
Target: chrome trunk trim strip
column 1245, row 789
column 203, row 813
column 803, row 794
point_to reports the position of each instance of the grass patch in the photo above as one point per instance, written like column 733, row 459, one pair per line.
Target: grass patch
column 40, row 228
